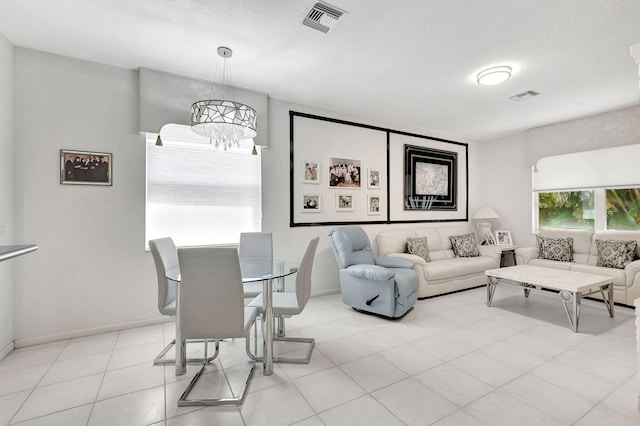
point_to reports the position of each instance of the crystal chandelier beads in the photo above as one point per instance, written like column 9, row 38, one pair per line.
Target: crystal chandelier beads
column 225, row 123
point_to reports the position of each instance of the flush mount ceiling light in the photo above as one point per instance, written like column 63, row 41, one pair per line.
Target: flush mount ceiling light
column 224, row 122
column 494, row 75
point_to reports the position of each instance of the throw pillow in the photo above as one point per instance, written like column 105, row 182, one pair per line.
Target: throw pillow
column 616, row 253
column 464, row 245
column 560, row 249
column 419, row 247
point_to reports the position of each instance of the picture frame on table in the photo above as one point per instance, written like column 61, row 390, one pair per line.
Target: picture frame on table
column 373, row 205
column 344, row 202
column 311, row 172
column 503, row 238
column 489, row 238
column 373, row 179
column 311, row 203
column 85, row 168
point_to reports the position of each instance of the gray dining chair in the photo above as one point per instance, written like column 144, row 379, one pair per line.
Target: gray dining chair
column 291, row 303
column 212, row 307
column 165, row 257
column 255, row 244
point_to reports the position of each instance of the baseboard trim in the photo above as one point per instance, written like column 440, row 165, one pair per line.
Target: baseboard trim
column 326, row 292
column 6, row 350
column 23, row 343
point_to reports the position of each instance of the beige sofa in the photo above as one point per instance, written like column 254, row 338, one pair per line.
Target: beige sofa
column 445, row 273
column 626, row 282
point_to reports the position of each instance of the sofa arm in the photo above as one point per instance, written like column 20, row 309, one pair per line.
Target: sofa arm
column 525, row 254
column 417, row 260
column 491, row 251
column 631, row 273
column 394, row 262
column 370, row 272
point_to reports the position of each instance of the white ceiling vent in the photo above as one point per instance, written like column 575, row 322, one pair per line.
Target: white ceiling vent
column 323, row 17
column 524, row 96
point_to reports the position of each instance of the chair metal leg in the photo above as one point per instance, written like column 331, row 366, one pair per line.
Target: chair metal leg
column 284, row 359
column 160, row 360
column 184, row 400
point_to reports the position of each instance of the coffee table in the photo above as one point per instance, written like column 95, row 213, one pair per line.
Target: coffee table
column 572, row 286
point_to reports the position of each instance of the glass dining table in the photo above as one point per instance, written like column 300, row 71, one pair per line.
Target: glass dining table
column 253, row 269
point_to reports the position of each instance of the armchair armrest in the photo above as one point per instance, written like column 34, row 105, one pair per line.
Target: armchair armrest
column 395, row 262
column 525, row 254
column 417, row 260
column 370, row 272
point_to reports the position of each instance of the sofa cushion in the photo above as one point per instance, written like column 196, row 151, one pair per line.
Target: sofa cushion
column 551, row 264
column 618, row 275
column 615, row 253
column 419, row 247
column 582, row 238
column 560, row 249
column 393, row 241
column 464, row 245
column 457, row 267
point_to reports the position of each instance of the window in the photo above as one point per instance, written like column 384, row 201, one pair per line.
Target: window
column 623, row 208
column 198, row 194
column 570, row 209
column 599, row 209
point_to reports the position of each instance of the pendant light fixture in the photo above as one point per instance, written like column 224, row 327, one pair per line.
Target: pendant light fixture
column 224, row 122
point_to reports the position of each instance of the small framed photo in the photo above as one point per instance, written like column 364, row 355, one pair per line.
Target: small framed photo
column 503, row 238
column 310, row 172
column 85, row 168
column 489, row 238
column 344, row 173
column 344, row 202
column 373, row 205
column 373, row 180
column 311, row 203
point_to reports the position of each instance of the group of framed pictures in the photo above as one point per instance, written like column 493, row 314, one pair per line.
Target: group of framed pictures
column 501, row 238
column 342, row 174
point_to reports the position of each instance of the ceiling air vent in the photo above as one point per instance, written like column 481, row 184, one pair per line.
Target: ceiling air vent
column 524, row 96
column 323, row 17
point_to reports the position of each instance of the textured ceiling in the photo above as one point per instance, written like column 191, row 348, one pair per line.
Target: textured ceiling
column 409, row 62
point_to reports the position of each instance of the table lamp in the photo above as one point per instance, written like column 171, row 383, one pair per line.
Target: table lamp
column 485, row 213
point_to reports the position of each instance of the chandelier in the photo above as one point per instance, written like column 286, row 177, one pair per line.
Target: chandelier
column 224, row 122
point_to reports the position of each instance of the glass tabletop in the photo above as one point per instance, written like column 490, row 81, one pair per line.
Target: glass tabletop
column 254, row 269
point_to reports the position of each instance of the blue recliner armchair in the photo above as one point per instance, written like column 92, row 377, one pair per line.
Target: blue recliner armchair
column 380, row 285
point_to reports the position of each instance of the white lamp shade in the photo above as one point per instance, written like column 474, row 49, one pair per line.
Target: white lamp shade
column 486, row 212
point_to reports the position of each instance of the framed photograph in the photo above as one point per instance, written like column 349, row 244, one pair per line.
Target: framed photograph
column 344, row 202
column 85, row 168
column 373, row 181
column 344, row 173
column 489, row 239
column 310, row 172
column 373, row 205
column 430, row 179
column 311, row 203
column 503, row 238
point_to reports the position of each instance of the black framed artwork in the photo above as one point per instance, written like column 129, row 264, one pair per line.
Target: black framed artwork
column 430, row 179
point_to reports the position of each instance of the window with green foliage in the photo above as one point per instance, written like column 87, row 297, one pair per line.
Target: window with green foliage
column 571, row 209
column 623, row 208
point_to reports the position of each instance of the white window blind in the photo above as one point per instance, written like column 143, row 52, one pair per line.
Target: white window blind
column 197, row 194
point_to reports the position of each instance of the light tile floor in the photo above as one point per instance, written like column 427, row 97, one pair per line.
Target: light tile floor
column 450, row 361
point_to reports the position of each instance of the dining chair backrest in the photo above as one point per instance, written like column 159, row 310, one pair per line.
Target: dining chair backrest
column 211, row 295
column 303, row 276
column 255, row 244
column 165, row 257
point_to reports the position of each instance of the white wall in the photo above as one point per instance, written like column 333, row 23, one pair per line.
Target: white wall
column 505, row 185
column 91, row 271
column 291, row 242
column 6, row 193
